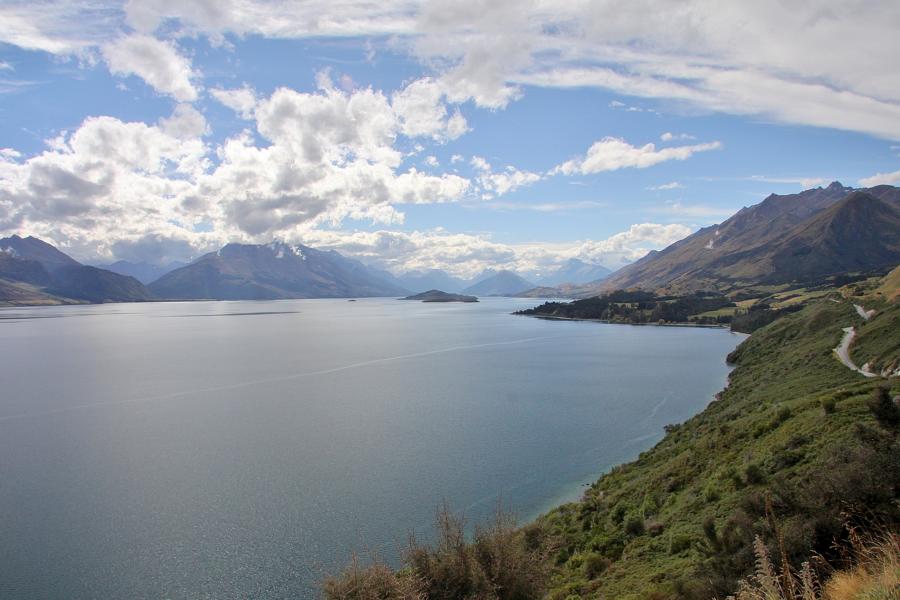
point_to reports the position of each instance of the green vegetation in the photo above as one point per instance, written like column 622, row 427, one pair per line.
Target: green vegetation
column 872, row 572
column 790, row 447
column 744, row 309
column 796, row 454
column 500, row 562
column 641, row 307
column 440, row 296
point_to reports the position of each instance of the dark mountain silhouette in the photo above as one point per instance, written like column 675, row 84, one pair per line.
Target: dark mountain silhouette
column 440, row 296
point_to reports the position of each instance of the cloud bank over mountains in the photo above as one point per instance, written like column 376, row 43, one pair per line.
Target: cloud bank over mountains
column 309, row 162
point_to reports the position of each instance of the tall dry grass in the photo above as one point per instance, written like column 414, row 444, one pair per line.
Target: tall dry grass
column 872, row 573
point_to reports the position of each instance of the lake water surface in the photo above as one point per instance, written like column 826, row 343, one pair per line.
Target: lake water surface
column 244, row 449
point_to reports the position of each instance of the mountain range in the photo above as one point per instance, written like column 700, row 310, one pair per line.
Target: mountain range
column 791, row 238
column 432, row 279
column 35, row 272
column 574, row 271
column 142, row 271
column 273, row 271
column 501, row 283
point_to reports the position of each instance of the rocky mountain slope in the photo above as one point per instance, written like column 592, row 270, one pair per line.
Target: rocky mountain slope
column 789, row 238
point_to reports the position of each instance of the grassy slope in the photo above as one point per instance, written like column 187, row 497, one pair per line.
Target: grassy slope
column 879, row 342
column 17, row 293
column 790, row 449
column 889, row 288
column 770, row 417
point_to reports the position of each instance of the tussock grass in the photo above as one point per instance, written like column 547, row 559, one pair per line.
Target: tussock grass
column 873, row 573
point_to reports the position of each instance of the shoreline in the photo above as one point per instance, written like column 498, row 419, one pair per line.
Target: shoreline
column 608, row 322
column 573, row 492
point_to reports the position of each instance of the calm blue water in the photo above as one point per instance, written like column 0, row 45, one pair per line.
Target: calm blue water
column 244, row 449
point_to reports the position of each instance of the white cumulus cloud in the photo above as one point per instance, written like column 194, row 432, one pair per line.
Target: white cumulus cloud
column 881, row 179
column 422, row 111
column 466, row 255
column 155, row 61
column 497, row 183
column 326, row 156
column 611, row 154
column 241, row 100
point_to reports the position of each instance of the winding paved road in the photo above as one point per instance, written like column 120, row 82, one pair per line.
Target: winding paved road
column 843, row 349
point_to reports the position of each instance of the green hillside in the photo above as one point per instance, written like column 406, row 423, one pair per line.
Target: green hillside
column 789, row 445
column 795, row 448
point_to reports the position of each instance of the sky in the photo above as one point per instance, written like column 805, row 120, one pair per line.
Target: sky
column 458, row 135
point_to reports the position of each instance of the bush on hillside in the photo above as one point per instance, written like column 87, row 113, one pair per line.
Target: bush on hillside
column 884, row 409
column 497, row 564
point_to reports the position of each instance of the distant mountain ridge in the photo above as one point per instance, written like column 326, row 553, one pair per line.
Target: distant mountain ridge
column 502, row 283
column 273, row 271
column 142, row 271
column 785, row 238
column 33, row 271
column 574, row 271
column 432, row 279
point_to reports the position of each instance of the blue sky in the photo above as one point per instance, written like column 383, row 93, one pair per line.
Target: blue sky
column 430, row 135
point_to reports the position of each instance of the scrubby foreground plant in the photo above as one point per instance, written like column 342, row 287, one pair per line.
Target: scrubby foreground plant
column 872, row 573
column 497, row 564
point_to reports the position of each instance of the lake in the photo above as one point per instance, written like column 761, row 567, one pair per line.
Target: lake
column 245, row 449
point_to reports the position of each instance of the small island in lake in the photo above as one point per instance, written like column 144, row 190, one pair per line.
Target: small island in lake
column 439, row 296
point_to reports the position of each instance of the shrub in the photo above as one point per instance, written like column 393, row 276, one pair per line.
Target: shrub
column 594, row 564
column 512, row 571
column 497, row 564
column 784, row 413
column 634, row 526
column 786, row 458
column 754, row 474
column 711, row 493
column 655, row 528
column 735, row 478
column 678, row 543
column 618, row 514
column 761, row 429
column 712, row 536
column 884, row 409
column 828, row 404
column 610, row 546
column 374, row 582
